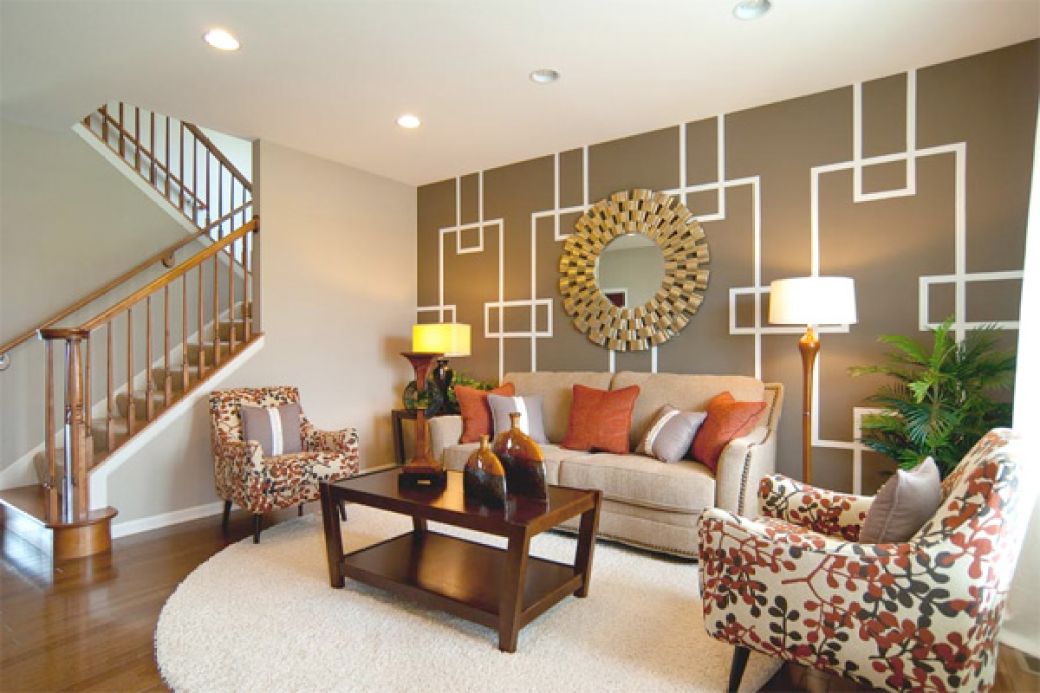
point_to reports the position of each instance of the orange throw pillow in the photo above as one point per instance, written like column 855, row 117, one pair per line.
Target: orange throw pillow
column 475, row 411
column 601, row 419
column 727, row 419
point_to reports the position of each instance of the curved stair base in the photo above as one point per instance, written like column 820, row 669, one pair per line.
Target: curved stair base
column 23, row 509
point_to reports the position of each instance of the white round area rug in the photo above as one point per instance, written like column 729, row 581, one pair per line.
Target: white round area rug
column 263, row 617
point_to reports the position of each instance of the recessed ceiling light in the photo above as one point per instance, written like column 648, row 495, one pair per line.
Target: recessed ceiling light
column 409, row 121
column 544, row 76
column 221, row 40
column 751, row 9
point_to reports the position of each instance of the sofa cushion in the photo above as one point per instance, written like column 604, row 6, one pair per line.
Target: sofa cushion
column 455, row 457
column 555, row 389
column 600, row 419
column 685, row 392
column 529, row 407
column 685, row 487
column 727, row 419
column 475, row 412
column 669, row 437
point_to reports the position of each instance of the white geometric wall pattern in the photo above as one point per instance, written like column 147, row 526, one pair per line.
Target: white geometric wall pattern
column 535, row 311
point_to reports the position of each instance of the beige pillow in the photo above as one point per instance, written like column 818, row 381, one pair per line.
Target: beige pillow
column 903, row 505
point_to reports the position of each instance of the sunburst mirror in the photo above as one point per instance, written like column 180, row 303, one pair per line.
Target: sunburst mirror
column 633, row 245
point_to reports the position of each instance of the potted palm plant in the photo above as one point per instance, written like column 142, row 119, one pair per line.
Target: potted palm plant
column 941, row 401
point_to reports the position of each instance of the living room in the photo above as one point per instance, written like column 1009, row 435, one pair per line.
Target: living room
column 892, row 144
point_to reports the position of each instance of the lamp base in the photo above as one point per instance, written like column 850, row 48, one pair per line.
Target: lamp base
column 422, row 476
column 809, row 346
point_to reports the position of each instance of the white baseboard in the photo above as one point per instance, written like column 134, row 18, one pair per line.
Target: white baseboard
column 144, row 524
column 176, row 517
column 1020, row 641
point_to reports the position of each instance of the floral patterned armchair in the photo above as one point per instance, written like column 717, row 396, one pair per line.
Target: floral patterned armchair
column 922, row 615
column 245, row 477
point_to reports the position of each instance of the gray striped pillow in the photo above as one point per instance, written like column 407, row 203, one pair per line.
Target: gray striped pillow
column 671, row 434
column 277, row 429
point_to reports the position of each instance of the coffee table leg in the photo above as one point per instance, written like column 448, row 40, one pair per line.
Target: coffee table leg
column 586, row 545
column 511, row 603
column 333, row 536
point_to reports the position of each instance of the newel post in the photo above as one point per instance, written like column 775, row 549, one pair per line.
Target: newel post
column 74, row 499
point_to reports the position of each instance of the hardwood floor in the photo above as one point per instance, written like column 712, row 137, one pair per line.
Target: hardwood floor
column 88, row 624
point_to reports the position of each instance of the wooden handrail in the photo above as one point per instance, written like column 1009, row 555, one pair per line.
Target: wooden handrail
column 168, row 277
column 123, row 132
column 99, row 292
column 208, row 144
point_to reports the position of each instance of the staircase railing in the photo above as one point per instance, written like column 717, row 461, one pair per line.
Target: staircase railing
column 66, row 488
column 180, row 162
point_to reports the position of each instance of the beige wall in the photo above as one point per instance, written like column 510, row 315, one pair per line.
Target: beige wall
column 783, row 168
column 69, row 222
column 338, row 252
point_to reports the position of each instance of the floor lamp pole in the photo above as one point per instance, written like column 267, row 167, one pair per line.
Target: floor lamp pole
column 809, row 346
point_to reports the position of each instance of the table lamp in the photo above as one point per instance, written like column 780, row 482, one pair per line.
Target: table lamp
column 449, row 340
column 430, row 342
column 811, row 301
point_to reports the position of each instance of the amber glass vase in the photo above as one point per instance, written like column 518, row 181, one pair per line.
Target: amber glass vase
column 484, row 478
column 523, row 460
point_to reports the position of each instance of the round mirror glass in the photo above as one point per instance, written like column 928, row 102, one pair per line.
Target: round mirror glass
column 630, row 269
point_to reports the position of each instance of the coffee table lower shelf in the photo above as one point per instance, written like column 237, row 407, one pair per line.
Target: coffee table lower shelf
column 459, row 576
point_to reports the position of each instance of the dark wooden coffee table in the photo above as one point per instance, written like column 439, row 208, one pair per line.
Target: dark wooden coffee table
column 503, row 589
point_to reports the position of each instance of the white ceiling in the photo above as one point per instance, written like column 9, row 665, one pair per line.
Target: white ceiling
column 330, row 78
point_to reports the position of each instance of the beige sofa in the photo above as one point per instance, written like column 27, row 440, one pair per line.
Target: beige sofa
column 646, row 503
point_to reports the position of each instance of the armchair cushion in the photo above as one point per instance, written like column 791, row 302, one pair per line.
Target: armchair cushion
column 903, row 504
column 277, row 429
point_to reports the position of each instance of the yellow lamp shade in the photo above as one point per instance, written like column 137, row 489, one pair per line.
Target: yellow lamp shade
column 448, row 338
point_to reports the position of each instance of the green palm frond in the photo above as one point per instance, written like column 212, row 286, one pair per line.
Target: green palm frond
column 939, row 401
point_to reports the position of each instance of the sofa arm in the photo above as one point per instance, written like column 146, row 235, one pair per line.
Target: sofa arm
column 742, row 463
column 445, row 431
column 821, row 510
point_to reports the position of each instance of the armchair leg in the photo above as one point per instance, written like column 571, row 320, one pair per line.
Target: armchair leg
column 227, row 515
column 257, row 522
column 736, row 668
column 343, row 512
column 299, row 510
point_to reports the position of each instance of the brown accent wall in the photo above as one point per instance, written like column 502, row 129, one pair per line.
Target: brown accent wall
column 784, row 166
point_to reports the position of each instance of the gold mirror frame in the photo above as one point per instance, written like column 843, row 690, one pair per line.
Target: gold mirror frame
column 663, row 219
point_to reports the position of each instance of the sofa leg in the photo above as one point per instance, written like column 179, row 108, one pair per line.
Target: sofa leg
column 227, row 515
column 736, row 668
column 299, row 510
column 257, row 522
column 343, row 512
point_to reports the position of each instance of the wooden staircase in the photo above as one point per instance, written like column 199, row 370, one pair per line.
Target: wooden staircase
column 144, row 352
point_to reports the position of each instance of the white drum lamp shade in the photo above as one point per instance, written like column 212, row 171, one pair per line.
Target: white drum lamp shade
column 448, row 338
column 812, row 301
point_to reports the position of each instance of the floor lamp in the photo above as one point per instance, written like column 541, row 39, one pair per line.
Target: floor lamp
column 811, row 301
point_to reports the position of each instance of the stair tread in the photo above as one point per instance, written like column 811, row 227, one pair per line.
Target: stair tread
column 30, row 501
